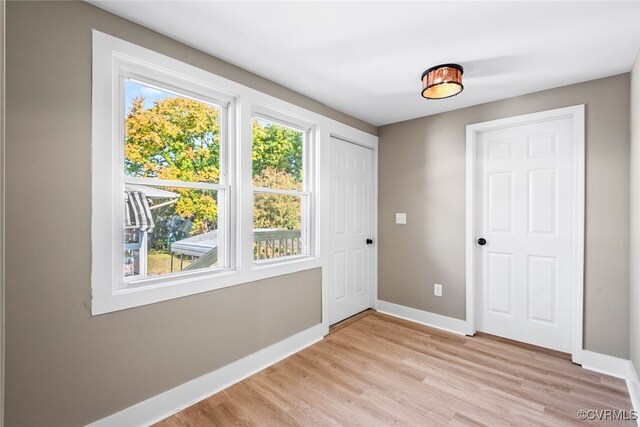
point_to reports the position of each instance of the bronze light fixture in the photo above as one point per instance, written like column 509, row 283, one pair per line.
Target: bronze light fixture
column 442, row 81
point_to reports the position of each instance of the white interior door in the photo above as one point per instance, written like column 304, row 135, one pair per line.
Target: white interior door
column 351, row 278
column 525, row 213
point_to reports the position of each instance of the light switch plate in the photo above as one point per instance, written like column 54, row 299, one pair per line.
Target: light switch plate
column 401, row 218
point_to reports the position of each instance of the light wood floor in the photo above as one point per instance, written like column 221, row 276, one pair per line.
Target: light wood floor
column 382, row 370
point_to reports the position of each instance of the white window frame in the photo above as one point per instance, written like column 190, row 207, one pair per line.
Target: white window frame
column 126, row 68
column 111, row 58
column 308, row 178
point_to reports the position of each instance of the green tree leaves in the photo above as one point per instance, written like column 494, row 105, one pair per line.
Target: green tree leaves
column 178, row 139
column 275, row 210
column 276, row 147
column 277, row 164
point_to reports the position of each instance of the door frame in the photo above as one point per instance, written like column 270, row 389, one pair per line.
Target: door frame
column 369, row 142
column 577, row 114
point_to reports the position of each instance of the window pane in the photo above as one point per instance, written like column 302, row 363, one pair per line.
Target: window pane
column 169, row 136
column 131, row 262
column 168, row 230
column 277, row 155
column 277, row 226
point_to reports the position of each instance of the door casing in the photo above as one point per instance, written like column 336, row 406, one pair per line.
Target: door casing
column 576, row 113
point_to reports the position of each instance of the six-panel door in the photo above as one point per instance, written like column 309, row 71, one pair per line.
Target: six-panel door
column 351, row 176
column 525, row 193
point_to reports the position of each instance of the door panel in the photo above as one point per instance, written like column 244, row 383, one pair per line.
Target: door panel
column 542, row 288
column 525, row 196
column 351, row 179
column 358, row 271
column 340, row 205
column 339, row 275
column 542, row 201
column 500, row 206
column 500, row 283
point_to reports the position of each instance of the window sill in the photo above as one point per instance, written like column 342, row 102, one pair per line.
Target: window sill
column 185, row 286
column 286, row 260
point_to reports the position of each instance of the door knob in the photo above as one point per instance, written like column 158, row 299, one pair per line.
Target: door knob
column 482, row 241
column 369, row 241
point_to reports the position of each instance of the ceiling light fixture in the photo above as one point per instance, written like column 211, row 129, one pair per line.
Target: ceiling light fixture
column 442, row 81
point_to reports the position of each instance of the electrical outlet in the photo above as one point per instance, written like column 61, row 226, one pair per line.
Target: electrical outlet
column 437, row 290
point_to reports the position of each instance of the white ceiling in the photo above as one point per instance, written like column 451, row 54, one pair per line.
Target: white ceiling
column 366, row 58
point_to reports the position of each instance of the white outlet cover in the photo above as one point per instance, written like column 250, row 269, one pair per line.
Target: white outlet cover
column 401, row 218
column 437, row 290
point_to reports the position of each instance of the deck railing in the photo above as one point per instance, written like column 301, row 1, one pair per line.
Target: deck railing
column 276, row 243
column 267, row 244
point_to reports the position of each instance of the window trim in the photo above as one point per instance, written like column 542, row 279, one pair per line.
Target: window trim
column 108, row 52
column 128, row 67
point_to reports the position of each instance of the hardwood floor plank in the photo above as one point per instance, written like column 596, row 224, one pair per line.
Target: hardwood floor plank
column 379, row 370
column 346, row 322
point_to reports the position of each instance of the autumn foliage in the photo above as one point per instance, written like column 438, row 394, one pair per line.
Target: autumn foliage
column 178, row 139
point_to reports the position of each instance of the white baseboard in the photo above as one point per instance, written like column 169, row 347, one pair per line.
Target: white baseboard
column 633, row 384
column 438, row 321
column 165, row 404
column 616, row 367
column 605, row 364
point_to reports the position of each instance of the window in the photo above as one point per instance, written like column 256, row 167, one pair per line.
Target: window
column 176, row 208
column 280, row 190
column 173, row 185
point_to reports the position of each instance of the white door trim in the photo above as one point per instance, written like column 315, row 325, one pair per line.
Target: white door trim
column 576, row 113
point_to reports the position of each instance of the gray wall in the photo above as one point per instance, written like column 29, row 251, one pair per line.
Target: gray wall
column 422, row 172
column 64, row 367
column 634, row 282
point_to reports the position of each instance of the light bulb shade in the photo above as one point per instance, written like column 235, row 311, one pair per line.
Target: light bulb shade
column 442, row 81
